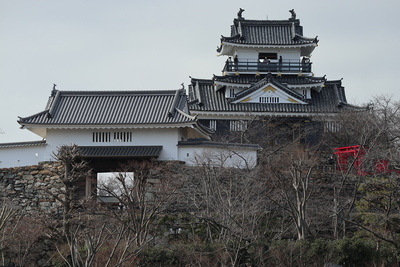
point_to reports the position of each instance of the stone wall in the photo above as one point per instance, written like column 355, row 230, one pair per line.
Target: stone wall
column 32, row 188
column 36, row 188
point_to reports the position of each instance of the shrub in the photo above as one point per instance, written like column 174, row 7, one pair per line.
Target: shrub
column 354, row 251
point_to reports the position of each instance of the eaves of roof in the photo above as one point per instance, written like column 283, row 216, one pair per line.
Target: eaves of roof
column 203, row 130
column 120, row 151
column 329, row 99
column 284, row 79
column 110, row 126
column 23, row 144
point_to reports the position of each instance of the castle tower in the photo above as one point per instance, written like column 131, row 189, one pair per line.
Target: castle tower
column 267, row 74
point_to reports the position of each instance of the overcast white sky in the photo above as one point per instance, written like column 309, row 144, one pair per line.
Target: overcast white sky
column 132, row 44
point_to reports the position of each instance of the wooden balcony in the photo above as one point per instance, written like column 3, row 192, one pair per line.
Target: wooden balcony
column 286, row 66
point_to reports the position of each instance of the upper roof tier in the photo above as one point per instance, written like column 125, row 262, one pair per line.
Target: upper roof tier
column 267, row 34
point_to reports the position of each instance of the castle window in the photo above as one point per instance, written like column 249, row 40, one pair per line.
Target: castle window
column 213, row 125
column 269, row 99
column 231, row 92
column 111, row 137
column 305, row 94
column 101, row 137
column 122, row 137
column 332, row 127
column 238, row 126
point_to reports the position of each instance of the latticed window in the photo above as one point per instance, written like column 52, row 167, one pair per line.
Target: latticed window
column 238, row 126
column 213, row 125
column 332, row 126
column 111, row 137
column 122, row 137
column 305, row 95
column 231, row 92
column 101, row 137
column 269, row 99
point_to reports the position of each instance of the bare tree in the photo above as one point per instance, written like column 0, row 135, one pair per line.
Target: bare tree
column 26, row 236
column 142, row 198
column 291, row 175
column 376, row 132
column 269, row 132
column 123, row 232
column 7, row 213
column 231, row 204
column 75, row 169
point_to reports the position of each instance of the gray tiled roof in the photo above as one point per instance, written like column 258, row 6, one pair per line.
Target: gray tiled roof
column 23, row 144
column 113, row 108
column 252, row 79
column 205, row 99
column 268, row 32
column 120, row 151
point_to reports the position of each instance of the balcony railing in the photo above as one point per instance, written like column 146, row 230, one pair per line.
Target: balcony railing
column 286, row 66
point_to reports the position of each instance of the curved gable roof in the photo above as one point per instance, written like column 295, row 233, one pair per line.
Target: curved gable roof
column 268, row 32
column 113, row 107
column 262, row 83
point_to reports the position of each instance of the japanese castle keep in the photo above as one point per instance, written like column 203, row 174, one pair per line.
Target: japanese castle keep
column 267, row 74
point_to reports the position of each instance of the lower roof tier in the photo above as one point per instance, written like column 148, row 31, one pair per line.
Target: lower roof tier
column 205, row 99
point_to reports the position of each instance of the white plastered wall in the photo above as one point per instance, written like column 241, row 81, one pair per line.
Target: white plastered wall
column 247, row 54
column 21, row 156
column 165, row 137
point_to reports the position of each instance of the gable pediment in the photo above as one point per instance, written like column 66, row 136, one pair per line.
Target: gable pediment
column 269, row 93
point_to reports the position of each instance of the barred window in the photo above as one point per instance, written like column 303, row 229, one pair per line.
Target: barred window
column 231, row 92
column 332, row 127
column 213, row 125
column 269, row 99
column 101, row 137
column 122, row 137
column 111, row 137
column 238, row 126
